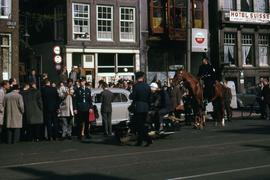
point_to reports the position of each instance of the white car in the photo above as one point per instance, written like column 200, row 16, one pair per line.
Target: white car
column 120, row 104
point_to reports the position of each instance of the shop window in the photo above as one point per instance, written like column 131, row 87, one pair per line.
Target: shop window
column 198, row 14
column 263, row 50
column 156, row 16
column 247, row 5
column 247, row 49
column 230, row 51
column 125, row 63
column 81, row 25
column 249, row 83
column 261, row 6
column 127, row 24
column 106, row 63
column 5, row 9
column 228, row 5
column 105, row 23
column 5, row 45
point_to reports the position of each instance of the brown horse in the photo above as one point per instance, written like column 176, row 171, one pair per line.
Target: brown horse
column 196, row 89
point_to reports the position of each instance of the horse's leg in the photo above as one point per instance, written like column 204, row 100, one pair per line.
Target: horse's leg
column 222, row 111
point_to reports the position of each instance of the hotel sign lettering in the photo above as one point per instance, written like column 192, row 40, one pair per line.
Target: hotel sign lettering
column 249, row 17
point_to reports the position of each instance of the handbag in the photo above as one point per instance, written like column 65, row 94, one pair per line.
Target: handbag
column 92, row 117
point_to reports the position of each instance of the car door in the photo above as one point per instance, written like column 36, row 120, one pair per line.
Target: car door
column 120, row 107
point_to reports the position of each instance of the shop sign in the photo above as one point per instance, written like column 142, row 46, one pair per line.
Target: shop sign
column 249, row 17
column 199, row 40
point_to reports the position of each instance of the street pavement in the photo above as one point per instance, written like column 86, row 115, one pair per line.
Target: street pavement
column 240, row 150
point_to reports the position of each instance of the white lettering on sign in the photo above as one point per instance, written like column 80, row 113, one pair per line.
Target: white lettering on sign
column 249, row 17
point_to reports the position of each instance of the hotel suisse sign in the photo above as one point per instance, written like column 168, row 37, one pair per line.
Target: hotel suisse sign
column 249, row 17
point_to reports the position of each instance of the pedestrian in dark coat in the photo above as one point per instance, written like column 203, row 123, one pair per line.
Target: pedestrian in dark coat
column 227, row 101
column 141, row 98
column 33, row 112
column 207, row 74
column 14, row 109
column 106, row 109
column 266, row 96
column 82, row 105
column 51, row 103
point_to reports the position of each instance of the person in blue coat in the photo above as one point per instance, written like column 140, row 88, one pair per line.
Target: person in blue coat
column 141, row 99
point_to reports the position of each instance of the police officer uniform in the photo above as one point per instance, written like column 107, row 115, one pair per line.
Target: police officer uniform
column 207, row 74
column 83, row 102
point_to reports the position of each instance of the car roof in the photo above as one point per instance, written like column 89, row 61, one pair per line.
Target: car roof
column 113, row 90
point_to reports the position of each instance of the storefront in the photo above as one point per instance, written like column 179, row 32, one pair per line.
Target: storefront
column 109, row 65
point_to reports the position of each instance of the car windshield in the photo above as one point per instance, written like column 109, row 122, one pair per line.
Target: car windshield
column 117, row 97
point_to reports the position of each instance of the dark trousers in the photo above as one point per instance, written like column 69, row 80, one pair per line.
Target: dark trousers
column 13, row 135
column 84, row 123
column 140, row 119
column 107, row 122
column 35, row 131
column 228, row 109
column 51, row 124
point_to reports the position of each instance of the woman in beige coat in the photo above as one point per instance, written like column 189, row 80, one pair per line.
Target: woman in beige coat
column 14, row 109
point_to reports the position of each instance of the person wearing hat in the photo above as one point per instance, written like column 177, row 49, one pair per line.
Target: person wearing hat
column 207, row 74
column 141, row 98
column 82, row 105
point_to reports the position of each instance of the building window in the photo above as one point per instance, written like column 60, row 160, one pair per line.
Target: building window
column 106, row 63
column 156, row 16
column 127, row 24
column 230, row 48
column 263, row 50
column 247, row 49
column 105, row 23
column 198, row 14
column 125, row 63
column 261, row 6
column 58, row 24
column 227, row 5
column 81, row 25
column 5, row 9
column 5, row 44
column 178, row 14
column 247, row 5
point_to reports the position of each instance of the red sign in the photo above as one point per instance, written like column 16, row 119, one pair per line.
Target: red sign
column 199, row 38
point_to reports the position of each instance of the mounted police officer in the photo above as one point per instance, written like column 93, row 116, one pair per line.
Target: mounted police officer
column 207, row 74
column 82, row 105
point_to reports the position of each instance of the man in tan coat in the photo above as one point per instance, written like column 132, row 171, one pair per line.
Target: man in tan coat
column 14, row 109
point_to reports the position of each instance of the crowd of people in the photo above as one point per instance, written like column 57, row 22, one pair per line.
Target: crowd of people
column 41, row 110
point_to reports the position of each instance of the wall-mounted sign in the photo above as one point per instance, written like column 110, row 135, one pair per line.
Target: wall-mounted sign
column 249, row 17
column 57, row 59
column 199, row 40
column 56, row 50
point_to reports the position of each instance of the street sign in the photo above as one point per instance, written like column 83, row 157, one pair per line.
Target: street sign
column 57, row 59
column 57, row 50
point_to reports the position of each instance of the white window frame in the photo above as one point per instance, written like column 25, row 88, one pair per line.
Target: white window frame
column 230, row 39
column 83, row 34
column 9, row 46
column 264, row 43
column 8, row 2
column 247, row 40
column 104, row 19
column 132, row 21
